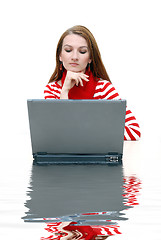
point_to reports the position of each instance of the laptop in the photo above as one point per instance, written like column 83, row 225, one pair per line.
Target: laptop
column 77, row 131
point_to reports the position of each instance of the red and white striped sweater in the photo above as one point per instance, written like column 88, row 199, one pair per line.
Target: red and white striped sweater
column 104, row 90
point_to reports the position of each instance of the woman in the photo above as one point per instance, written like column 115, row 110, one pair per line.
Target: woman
column 80, row 74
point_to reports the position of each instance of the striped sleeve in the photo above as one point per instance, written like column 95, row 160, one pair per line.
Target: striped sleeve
column 105, row 90
column 52, row 91
column 132, row 128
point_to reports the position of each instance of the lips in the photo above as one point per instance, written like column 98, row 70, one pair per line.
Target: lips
column 74, row 64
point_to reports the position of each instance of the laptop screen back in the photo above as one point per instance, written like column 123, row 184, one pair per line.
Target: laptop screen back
column 77, row 126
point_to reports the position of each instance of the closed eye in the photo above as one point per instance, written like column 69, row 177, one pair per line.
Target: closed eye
column 83, row 52
column 68, row 50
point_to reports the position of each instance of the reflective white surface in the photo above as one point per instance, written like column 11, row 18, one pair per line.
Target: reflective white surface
column 141, row 159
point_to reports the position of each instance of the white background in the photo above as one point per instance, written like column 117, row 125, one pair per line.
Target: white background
column 128, row 35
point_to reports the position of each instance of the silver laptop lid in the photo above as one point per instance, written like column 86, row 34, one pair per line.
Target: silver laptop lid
column 77, row 126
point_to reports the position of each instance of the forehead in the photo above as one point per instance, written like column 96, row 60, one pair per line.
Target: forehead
column 75, row 40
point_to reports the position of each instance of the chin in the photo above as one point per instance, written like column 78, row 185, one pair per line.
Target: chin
column 76, row 70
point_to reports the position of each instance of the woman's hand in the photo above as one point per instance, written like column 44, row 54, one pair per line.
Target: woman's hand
column 72, row 78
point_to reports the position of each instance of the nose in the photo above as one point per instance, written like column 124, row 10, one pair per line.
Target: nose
column 75, row 56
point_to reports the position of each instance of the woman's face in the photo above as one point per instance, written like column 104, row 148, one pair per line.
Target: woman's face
column 75, row 54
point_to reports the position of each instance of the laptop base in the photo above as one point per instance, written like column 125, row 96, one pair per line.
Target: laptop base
column 64, row 159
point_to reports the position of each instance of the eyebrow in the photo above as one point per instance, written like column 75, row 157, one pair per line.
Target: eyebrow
column 66, row 45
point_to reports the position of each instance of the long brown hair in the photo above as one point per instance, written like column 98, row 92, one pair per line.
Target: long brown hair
column 97, row 67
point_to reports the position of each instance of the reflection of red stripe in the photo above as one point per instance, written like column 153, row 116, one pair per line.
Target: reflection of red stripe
column 132, row 187
column 108, row 231
column 117, row 231
column 90, row 213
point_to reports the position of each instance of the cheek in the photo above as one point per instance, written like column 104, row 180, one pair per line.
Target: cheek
column 85, row 59
column 64, row 57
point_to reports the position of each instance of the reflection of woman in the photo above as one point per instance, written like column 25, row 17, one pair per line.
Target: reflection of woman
column 80, row 74
column 69, row 231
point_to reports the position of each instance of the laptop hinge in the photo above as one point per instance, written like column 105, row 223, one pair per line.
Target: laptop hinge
column 113, row 158
column 43, row 158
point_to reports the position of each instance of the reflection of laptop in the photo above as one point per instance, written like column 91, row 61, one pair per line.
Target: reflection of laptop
column 77, row 131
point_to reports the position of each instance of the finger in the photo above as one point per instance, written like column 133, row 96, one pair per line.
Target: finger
column 80, row 81
column 76, row 82
column 84, row 75
column 85, row 78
